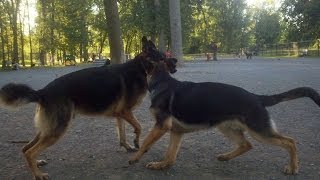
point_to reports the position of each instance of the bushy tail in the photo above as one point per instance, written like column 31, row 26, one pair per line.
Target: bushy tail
column 14, row 95
column 290, row 95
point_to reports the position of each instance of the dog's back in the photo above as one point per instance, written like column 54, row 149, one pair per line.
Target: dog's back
column 93, row 90
column 203, row 103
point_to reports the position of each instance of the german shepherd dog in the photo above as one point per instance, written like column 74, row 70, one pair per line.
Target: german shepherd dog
column 182, row 107
column 248, row 54
column 107, row 90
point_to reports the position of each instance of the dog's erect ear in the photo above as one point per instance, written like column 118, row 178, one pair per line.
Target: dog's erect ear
column 151, row 45
column 150, row 50
column 144, row 41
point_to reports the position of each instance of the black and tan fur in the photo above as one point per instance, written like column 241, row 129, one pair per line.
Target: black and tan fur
column 108, row 91
column 248, row 54
column 182, row 107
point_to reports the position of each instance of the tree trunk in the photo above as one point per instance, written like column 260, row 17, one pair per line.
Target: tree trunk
column 22, row 43
column 175, row 26
column 15, row 6
column 30, row 39
column 114, row 32
column 52, row 24
column 81, row 51
column 3, row 47
column 8, row 46
column 161, row 44
column 85, row 43
column 103, row 37
column 42, row 52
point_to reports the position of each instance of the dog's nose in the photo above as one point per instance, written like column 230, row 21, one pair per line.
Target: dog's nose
column 173, row 71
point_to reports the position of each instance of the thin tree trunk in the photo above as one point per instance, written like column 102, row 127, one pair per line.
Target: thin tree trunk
column 114, row 32
column 103, row 38
column 15, row 6
column 161, row 44
column 9, row 49
column 175, row 26
column 41, row 40
column 52, row 24
column 22, row 43
column 81, row 51
column 30, row 39
column 85, row 43
column 3, row 47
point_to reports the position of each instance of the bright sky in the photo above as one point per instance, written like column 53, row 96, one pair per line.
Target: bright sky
column 258, row 3
column 32, row 13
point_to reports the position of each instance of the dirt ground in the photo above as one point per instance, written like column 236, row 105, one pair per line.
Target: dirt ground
column 90, row 148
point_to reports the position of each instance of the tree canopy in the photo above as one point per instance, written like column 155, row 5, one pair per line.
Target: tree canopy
column 79, row 27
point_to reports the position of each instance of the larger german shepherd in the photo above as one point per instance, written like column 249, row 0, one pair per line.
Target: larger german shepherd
column 182, row 107
column 108, row 90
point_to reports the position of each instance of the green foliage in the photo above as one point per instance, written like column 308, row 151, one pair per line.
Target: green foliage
column 78, row 27
column 267, row 28
column 302, row 18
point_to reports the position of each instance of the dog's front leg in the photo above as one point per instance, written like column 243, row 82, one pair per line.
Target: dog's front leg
column 171, row 154
column 155, row 134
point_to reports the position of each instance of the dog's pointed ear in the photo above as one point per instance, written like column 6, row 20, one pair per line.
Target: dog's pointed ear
column 152, row 45
column 144, row 41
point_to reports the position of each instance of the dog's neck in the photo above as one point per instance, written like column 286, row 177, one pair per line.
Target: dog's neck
column 144, row 65
column 158, row 80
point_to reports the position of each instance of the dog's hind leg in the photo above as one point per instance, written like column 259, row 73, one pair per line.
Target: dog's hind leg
column 51, row 124
column 237, row 136
column 287, row 143
column 121, row 129
column 171, row 154
column 32, row 143
column 129, row 117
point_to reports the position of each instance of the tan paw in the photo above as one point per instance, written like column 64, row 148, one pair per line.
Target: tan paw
column 129, row 148
column 290, row 170
column 133, row 161
column 41, row 163
column 158, row 165
column 42, row 176
column 223, row 157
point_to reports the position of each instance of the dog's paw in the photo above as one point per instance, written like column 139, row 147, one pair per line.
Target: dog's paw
column 223, row 157
column 133, row 161
column 158, row 165
column 131, row 149
column 41, row 163
column 42, row 176
column 290, row 170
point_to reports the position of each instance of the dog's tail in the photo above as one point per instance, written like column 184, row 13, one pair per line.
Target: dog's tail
column 290, row 95
column 14, row 95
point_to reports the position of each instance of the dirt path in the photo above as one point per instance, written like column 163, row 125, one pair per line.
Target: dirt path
column 90, row 148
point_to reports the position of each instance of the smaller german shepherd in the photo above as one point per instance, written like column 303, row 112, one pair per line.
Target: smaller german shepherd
column 182, row 107
column 248, row 54
column 113, row 90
